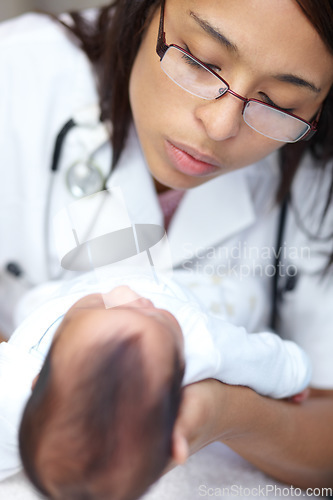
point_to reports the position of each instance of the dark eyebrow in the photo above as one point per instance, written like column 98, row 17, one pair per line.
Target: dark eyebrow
column 214, row 32
column 299, row 82
column 217, row 35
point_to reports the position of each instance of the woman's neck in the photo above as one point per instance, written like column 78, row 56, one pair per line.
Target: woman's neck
column 160, row 188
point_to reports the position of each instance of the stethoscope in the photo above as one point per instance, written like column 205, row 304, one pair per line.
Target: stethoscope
column 278, row 289
column 84, row 177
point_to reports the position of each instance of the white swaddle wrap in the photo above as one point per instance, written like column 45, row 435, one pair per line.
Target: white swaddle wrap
column 214, row 347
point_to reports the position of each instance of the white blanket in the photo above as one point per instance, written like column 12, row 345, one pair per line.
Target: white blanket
column 214, row 472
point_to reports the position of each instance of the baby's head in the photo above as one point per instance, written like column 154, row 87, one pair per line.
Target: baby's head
column 99, row 423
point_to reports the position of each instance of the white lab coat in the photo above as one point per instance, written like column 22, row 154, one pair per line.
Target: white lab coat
column 228, row 225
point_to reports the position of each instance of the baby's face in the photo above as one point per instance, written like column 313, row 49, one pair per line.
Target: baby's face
column 89, row 321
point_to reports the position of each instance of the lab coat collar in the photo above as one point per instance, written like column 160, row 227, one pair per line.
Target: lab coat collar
column 209, row 214
column 206, row 216
column 136, row 183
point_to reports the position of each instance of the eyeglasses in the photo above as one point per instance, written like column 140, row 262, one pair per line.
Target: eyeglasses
column 195, row 77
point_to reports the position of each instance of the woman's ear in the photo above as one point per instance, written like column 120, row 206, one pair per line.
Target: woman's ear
column 180, row 448
column 34, row 382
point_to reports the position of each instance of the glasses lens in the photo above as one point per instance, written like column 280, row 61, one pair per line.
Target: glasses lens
column 273, row 123
column 190, row 75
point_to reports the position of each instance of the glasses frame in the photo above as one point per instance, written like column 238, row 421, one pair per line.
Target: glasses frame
column 161, row 49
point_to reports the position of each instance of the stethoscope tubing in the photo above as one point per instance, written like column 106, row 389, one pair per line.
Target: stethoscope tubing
column 276, row 293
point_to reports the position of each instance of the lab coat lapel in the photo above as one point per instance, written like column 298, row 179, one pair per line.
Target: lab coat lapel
column 133, row 176
column 209, row 214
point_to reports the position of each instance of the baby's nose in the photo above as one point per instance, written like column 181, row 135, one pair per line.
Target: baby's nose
column 124, row 295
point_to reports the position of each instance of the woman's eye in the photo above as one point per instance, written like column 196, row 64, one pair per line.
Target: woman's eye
column 192, row 62
column 189, row 59
column 267, row 100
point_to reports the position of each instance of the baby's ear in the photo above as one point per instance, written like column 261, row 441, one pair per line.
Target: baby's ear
column 180, row 447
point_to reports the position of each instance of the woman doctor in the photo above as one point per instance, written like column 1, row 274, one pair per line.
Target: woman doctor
column 190, row 92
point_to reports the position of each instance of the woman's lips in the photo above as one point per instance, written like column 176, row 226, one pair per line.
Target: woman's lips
column 189, row 161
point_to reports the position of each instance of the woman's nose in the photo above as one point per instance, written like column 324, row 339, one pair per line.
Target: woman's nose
column 222, row 117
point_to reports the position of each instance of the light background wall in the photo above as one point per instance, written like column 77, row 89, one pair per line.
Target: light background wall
column 12, row 8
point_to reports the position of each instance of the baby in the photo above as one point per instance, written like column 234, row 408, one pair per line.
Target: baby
column 99, row 423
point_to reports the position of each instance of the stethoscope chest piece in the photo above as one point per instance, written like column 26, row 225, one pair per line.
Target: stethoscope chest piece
column 84, row 178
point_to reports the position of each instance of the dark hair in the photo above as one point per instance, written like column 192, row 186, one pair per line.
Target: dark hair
column 112, row 44
column 106, row 433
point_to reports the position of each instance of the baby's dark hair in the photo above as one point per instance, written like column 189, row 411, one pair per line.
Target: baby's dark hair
column 104, row 435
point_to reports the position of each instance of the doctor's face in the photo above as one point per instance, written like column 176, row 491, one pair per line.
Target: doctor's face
column 265, row 50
